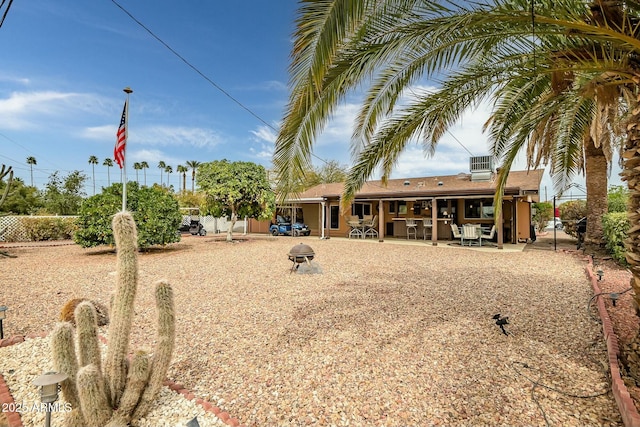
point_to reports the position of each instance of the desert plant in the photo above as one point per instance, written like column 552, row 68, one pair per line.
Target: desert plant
column 155, row 210
column 544, row 214
column 114, row 392
column 615, row 226
column 571, row 212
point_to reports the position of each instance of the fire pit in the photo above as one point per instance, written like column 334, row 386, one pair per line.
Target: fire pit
column 300, row 253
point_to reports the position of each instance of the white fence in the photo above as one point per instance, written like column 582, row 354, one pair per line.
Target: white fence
column 11, row 228
column 218, row 225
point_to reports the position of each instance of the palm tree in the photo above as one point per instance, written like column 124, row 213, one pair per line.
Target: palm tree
column 161, row 165
column 389, row 46
column 31, row 161
column 183, row 170
column 144, row 166
column 137, row 166
column 193, row 164
column 109, row 164
column 168, row 169
column 93, row 161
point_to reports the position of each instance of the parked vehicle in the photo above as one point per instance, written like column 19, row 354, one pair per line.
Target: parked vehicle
column 192, row 223
column 283, row 226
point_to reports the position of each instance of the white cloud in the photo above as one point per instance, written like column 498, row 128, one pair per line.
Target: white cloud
column 264, row 133
column 23, row 110
column 158, row 135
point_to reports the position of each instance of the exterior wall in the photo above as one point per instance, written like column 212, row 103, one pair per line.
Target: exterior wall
column 311, row 216
column 523, row 220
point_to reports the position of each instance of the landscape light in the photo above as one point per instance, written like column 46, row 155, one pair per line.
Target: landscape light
column 3, row 314
column 49, row 384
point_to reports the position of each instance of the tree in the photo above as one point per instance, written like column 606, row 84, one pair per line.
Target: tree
column 168, row 170
column 21, row 200
column 236, row 189
column 31, row 161
column 93, row 161
column 144, row 166
column 161, row 165
column 109, row 164
column 193, row 164
column 155, row 211
column 137, row 166
column 393, row 44
column 64, row 195
column 183, row 170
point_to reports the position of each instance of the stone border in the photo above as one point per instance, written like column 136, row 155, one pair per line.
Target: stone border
column 628, row 411
column 14, row 419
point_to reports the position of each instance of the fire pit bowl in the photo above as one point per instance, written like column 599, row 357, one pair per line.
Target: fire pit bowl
column 301, row 253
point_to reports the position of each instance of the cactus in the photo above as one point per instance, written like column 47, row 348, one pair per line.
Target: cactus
column 116, row 393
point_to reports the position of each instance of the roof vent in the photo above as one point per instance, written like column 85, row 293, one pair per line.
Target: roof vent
column 406, row 183
column 481, row 168
column 440, row 183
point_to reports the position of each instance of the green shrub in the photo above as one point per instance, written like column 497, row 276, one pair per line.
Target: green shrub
column 544, row 214
column 617, row 198
column 154, row 210
column 615, row 226
column 48, row 228
column 570, row 212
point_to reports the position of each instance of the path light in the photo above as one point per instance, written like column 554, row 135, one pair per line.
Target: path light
column 49, row 384
column 600, row 274
column 3, row 314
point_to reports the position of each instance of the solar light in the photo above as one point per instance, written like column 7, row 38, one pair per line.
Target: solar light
column 3, row 314
column 600, row 273
column 49, row 384
column 614, row 297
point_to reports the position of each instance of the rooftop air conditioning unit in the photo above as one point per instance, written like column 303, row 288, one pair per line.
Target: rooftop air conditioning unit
column 481, row 168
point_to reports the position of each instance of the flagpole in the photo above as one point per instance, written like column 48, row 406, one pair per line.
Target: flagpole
column 128, row 91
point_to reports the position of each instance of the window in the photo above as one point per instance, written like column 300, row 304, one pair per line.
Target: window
column 478, row 208
column 392, row 207
column 334, row 216
column 361, row 209
column 416, row 208
column 402, row 208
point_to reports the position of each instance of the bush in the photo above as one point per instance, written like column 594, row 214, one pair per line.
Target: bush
column 570, row 212
column 154, row 209
column 617, row 198
column 544, row 214
column 47, row 228
column 615, row 226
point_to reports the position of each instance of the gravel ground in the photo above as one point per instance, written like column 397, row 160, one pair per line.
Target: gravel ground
column 389, row 334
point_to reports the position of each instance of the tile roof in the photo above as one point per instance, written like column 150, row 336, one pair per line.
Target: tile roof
column 434, row 186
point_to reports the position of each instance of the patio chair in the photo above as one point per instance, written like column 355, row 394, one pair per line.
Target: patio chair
column 490, row 235
column 470, row 233
column 356, row 227
column 369, row 225
column 427, row 225
column 457, row 234
column 412, row 227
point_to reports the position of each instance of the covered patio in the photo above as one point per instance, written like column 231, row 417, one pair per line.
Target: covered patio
column 425, row 208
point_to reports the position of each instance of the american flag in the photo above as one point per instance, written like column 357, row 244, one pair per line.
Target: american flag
column 121, row 138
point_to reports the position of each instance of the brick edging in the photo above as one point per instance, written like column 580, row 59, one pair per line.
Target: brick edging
column 14, row 419
column 627, row 408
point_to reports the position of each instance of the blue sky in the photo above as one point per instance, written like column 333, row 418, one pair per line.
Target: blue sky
column 65, row 63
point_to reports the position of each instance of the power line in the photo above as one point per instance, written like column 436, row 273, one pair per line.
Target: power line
column 200, row 73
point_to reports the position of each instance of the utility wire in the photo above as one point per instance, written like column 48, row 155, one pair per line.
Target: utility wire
column 201, row 74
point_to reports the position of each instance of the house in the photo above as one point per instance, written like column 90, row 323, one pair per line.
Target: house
column 458, row 199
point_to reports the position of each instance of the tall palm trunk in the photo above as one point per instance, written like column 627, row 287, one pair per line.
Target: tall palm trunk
column 596, row 182
column 631, row 174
